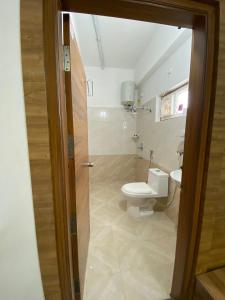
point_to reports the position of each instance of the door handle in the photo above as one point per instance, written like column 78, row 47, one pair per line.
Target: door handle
column 88, row 164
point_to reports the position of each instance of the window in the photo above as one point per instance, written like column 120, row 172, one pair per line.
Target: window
column 174, row 103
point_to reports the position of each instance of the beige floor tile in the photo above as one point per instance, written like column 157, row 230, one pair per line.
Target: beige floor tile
column 165, row 246
column 109, row 215
column 129, row 259
column 103, row 249
column 98, row 230
column 138, row 286
column 101, row 286
column 132, row 225
column 154, row 231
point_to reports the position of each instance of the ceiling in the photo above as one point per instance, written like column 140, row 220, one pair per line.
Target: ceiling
column 123, row 41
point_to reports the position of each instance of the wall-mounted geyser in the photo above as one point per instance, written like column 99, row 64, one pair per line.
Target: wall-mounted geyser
column 128, row 93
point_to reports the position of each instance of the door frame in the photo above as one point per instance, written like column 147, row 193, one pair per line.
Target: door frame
column 203, row 17
column 79, row 196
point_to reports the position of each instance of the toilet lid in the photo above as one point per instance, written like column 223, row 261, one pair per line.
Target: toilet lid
column 138, row 188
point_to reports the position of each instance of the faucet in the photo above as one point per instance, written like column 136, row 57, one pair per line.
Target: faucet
column 151, row 155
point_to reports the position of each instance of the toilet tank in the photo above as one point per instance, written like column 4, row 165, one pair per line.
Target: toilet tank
column 158, row 181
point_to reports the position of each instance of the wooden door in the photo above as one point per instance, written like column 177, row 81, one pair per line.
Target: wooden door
column 76, row 106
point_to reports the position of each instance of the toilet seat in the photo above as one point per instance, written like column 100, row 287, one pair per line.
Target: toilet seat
column 138, row 189
column 142, row 196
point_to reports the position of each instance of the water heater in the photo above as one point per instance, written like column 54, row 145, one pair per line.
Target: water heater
column 127, row 92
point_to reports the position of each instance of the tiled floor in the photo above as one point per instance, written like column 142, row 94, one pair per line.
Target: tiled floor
column 129, row 259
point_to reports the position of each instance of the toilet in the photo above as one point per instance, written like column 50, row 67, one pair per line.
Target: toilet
column 142, row 196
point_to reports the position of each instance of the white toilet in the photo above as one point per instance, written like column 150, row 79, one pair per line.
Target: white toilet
column 141, row 196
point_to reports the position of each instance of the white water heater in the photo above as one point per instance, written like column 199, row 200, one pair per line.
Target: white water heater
column 127, row 92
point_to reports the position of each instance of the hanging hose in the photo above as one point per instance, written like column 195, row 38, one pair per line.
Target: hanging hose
column 150, row 158
column 175, row 189
column 171, row 202
column 150, row 162
column 165, row 206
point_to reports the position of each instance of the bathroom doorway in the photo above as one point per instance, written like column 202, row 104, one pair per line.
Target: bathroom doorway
column 186, row 16
column 137, row 101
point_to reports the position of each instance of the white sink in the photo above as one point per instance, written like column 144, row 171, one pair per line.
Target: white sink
column 176, row 175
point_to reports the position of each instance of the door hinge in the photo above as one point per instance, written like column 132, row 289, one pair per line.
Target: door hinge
column 66, row 53
column 73, row 225
column 70, row 146
column 77, row 286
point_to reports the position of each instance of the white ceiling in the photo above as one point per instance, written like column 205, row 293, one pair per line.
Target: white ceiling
column 123, row 41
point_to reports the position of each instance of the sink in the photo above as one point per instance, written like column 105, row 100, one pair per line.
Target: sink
column 176, row 175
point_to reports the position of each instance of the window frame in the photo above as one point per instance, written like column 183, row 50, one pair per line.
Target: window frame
column 172, row 92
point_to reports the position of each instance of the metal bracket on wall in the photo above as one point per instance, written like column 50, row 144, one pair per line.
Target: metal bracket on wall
column 66, row 53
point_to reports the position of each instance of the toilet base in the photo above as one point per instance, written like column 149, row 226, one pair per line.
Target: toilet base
column 140, row 207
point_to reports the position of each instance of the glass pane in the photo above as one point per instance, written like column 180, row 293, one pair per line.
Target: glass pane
column 181, row 101
column 166, row 106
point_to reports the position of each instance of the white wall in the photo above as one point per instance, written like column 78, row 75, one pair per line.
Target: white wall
column 117, row 38
column 161, row 40
column 174, row 70
column 107, row 85
column 163, row 137
column 164, row 64
column 110, row 127
column 19, row 266
column 110, row 131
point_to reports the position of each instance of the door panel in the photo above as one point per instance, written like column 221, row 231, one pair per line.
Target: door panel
column 76, row 102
